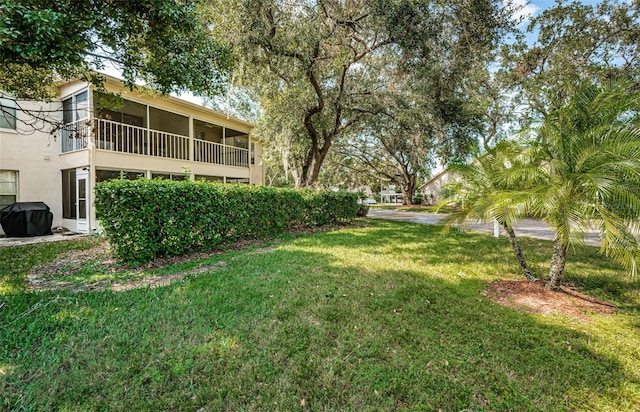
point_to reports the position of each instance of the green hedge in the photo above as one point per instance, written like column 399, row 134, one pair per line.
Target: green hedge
column 145, row 218
column 362, row 210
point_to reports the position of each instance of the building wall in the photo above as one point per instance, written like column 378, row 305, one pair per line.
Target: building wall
column 257, row 169
column 435, row 185
column 35, row 156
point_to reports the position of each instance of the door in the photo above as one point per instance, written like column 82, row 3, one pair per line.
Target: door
column 82, row 201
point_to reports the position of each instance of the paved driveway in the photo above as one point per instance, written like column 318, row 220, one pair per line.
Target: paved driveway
column 526, row 227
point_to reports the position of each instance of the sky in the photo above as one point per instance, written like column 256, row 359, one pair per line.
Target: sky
column 534, row 7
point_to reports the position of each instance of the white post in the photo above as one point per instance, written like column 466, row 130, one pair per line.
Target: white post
column 148, row 132
column 496, row 228
column 224, row 147
column 190, row 155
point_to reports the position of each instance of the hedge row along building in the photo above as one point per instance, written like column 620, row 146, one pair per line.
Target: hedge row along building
column 88, row 139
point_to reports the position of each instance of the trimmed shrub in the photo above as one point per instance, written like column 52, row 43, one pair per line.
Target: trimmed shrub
column 362, row 210
column 325, row 208
column 145, row 218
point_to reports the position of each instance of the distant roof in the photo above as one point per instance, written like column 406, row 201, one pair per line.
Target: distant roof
column 439, row 175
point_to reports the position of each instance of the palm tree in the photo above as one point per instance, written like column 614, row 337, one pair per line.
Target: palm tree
column 482, row 194
column 587, row 173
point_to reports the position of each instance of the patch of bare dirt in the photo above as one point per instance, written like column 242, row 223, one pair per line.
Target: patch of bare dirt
column 44, row 280
column 155, row 281
column 56, row 275
column 75, row 260
column 534, row 298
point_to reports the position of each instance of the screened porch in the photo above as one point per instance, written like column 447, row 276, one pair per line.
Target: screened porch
column 145, row 130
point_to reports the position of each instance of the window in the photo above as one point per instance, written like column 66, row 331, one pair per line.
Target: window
column 8, row 187
column 75, row 108
column 7, row 113
column 75, row 133
column 67, row 110
column 69, row 194
column 237, row 181
column 82, row 105
column 104, row 175
column 218, row 179
column 169, row 176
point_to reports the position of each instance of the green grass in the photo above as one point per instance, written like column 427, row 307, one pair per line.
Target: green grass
column 15, row 262
column 385, row 317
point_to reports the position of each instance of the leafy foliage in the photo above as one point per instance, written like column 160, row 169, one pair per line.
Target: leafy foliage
column 481, row 192
column 575, row 42
column 587, row 155
column 579, row 167
column 320, row 69
column 147, row 218
column 165, row 42
column 362, row 210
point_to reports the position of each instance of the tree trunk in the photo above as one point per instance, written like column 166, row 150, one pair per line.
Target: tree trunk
column 298, row 178
column 313, row 165
column 408, row 186
column 516, row 248
column 314, row 172
column 558, row 260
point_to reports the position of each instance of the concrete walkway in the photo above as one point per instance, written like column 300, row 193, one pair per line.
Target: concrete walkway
column 18, row 241
column 526, row 227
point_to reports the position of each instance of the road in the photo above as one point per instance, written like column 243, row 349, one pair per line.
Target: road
column 526, row 227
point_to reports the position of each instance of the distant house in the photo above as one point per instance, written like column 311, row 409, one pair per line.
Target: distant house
column 146, row 136
column 388, row 194
column 432, row 190
column 366, row 189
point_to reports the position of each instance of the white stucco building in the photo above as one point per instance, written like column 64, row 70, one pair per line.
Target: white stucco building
column 432, row 189
column 143, row 136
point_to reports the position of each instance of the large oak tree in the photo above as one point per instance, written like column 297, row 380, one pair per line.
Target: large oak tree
column 314, row 66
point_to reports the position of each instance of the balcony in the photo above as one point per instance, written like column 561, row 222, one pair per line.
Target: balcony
column 119, row 137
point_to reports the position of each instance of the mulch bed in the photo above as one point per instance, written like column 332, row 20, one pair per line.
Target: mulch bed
column 534, row 298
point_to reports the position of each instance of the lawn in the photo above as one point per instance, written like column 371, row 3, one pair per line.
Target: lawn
column 384, row 317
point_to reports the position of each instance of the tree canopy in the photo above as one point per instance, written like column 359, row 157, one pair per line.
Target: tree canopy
column 574, row 43
column 166, row 43
column 318, row 71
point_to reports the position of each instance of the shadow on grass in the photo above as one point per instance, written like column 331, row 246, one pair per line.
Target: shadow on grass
column 587, row 269
column 322, row 323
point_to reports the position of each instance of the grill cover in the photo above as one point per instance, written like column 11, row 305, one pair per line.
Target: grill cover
column 23, row 219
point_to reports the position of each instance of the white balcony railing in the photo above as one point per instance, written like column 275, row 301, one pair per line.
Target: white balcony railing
column 208, row 152
column 120, row 137
column 217, row 153
column 75, row 135
column 236, row 156
column 173, row 146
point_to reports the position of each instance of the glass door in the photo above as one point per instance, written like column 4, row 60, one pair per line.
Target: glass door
column 82, row 201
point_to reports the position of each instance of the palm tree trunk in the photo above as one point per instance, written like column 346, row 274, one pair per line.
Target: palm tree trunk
column 558, row 260
column 516, row 248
